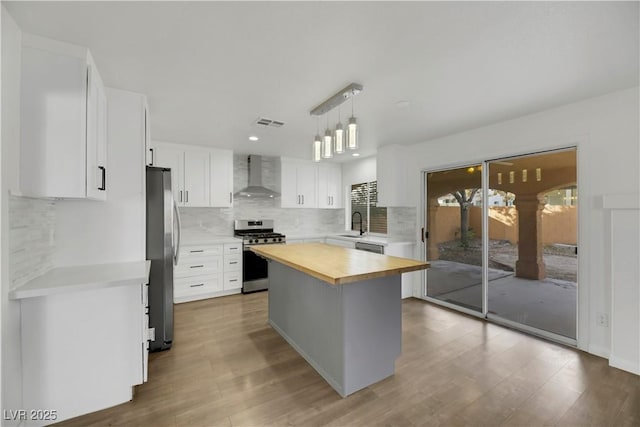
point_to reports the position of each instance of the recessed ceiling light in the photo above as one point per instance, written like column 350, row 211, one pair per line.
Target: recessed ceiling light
column 355, row 154
column 253, row 138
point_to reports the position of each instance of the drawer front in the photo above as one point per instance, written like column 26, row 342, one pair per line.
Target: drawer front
column 233, row 248
column 198, row 266
column 232, row 280
column 232, row 262
column 189, row 252
column 197, row 285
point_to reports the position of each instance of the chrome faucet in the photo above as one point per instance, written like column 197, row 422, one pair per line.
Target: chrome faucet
column 353, row 215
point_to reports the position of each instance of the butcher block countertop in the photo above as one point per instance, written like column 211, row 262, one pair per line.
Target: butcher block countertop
column 337, row 265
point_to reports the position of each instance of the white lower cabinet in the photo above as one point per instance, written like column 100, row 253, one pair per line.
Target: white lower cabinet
column 343, row 243
column 82, row 350
column 206, row 271
column 310, row 240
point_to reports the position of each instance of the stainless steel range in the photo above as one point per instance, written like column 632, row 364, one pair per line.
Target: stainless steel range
column 255, row 271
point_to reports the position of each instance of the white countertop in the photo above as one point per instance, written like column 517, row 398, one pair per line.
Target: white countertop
column 378, row 240
column 204, row 237
column 85, row 277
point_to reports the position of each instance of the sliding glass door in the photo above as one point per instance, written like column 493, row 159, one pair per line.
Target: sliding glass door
column 501, row 238
column 533, row 240
column 454, row 236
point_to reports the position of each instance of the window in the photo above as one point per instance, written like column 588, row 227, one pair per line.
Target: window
column 364, row 201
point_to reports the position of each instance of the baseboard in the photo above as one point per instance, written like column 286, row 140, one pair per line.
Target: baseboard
column 189, row 298
column 625, row 365
column 599, row 351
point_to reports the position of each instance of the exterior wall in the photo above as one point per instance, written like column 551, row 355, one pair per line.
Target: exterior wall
column 559, row 224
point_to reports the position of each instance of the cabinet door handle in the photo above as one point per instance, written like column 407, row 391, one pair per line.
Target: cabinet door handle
column 103, row 187
column 233, row 280
column 151, row 149
column 230, row 197
column 302, row 199
column 186, row 196
column 233, row 262
column 180, row 196
column 195, row 286
column 196, row 266
column 199, row 250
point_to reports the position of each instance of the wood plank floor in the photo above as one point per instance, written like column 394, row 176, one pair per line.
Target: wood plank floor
column 227, row 367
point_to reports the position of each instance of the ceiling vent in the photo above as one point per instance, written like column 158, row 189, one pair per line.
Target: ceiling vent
column 263, row 121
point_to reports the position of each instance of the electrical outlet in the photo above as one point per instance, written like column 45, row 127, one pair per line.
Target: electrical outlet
column 603, row 320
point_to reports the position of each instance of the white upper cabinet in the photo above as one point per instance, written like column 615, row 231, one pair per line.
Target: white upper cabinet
column 96, row 136
column 196, row 178
column 63, row 122
column 148, row 150
column 221, row 178
column 299, row 184
column 329, row 186
column 200, row 176
column 189, row 172
column 392, row 176
column 169, row 156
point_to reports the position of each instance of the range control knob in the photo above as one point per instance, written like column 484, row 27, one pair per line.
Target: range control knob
column 265, row 240
column 279, row 239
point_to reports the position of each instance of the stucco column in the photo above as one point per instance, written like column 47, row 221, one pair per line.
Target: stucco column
column 530, row 264
column 432, row 226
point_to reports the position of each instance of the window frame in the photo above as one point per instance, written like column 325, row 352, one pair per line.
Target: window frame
column 366, row 219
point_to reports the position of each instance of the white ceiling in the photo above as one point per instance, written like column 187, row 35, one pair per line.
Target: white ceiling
column 210, row 69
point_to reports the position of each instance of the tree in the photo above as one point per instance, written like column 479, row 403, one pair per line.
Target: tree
column 464, row 198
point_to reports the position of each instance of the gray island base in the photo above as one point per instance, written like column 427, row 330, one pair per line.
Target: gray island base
column 351, row 334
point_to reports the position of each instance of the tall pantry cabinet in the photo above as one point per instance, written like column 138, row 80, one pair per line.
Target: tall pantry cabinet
column 63, row 122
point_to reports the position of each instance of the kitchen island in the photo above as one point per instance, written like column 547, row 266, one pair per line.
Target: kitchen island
column 339, row 308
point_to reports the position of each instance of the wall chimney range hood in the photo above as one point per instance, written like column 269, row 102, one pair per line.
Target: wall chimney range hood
column 255, row 187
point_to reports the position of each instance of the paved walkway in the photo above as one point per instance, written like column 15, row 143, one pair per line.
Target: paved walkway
column 548, row 304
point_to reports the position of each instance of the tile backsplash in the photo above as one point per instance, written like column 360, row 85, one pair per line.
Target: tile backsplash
column 401, row 223
column 32, row 224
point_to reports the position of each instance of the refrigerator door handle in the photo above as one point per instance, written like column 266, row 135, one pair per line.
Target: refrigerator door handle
column 176, row 249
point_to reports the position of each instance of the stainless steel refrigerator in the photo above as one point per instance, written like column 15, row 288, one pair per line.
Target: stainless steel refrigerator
column 163, row 245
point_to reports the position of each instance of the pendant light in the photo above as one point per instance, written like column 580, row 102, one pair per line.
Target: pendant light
column 327, row 149
column 352, row 131
column 339, row 136
column 317, row 145
column 337, row 139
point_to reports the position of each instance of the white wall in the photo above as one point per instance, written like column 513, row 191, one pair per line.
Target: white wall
column 605, row 130
column 11, row 367
column 94, row 232
column 358, row 171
